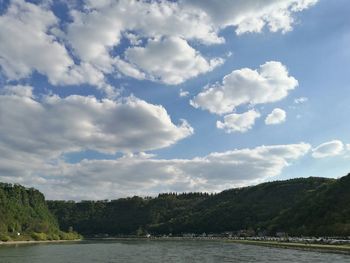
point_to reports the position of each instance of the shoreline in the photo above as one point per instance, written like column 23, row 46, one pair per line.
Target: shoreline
column 326, row 248
column 33, row 242
column 342, row 249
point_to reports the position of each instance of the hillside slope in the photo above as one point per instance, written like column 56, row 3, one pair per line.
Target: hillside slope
column 24, row 215
column 294, row 206
column 322, row 212
column 245, row 208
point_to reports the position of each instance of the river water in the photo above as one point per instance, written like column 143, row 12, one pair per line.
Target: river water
column 158, row 251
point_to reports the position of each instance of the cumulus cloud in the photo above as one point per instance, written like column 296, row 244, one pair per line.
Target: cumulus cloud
column 328, row 149
column 24, row 33
column 128, row 69
column 53, row 125
column 83, row 48
column 277, row 116
column 29, row 43
column 147, row 19
column 238, row 122
column 246, row 86
column 144, row 175
column 27, row 29
column 96, row 30
column 163, row 41
column 170, row 60
column 35, row 137
column 252, row 15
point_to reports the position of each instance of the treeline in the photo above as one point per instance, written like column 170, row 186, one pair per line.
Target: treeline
column 125, row 216
column 304, row 206
column 24, row 215
column 323, row 212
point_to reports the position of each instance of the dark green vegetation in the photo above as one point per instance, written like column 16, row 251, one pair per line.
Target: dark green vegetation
column 24, row 215
column 323, row 211
column 304, row 206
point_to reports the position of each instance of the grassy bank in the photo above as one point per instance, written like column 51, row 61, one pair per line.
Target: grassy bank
column 38, row 237
column 28, row 242
column 317, row 247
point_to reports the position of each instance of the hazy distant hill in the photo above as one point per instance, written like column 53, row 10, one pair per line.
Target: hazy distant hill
column 306, row 206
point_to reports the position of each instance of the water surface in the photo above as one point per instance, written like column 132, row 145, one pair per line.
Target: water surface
column 159, row 251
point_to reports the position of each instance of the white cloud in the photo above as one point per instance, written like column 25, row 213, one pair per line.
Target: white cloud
column 97, row 29
column 152, row 19
column 29, row 43
column 277, row 116
column 252, row 15
column 170, row 60
column 128, row 70
column 246, row 86
column 328, row 149
column 300, row 100
column 164, row 39
column 34, row 137
column 24, row 33
column 238, row 122
column 52, row 125
column 183, row 93
column 134, row 39
column 144, row 175
column 24, row 91
column 92, row 35
column 94, row 31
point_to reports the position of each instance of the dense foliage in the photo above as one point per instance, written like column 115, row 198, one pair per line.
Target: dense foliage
column 324, row 211
column 24, row 215
column 134, row 215
column 304, row 206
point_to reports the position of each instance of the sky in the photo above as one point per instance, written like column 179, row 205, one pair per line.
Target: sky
column 108, row 99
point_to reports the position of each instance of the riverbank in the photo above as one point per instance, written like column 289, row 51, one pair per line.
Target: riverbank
column 194, row 251
column 29, row 242
column 344, row 249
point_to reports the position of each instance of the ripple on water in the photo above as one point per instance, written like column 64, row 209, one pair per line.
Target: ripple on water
column 160, row 251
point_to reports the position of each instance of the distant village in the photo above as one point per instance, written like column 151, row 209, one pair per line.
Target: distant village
column 240, row 235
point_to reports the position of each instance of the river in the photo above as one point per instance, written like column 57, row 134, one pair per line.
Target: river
column 158, row 251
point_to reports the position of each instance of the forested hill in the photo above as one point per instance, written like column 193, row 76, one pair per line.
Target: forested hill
column 304, row 206
column 24, row 215
column 324, row 211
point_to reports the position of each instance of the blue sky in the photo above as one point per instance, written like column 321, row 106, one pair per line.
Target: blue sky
column 91, row 106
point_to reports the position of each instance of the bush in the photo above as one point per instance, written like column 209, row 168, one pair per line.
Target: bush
column 69, row 236
column 4, row 238
column 53, row 237
column 39, row 236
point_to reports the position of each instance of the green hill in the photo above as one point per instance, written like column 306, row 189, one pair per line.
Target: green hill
column 302, row 206
column 24, row 215
column 122, row 216
column 324, row 211
column 245, row 208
